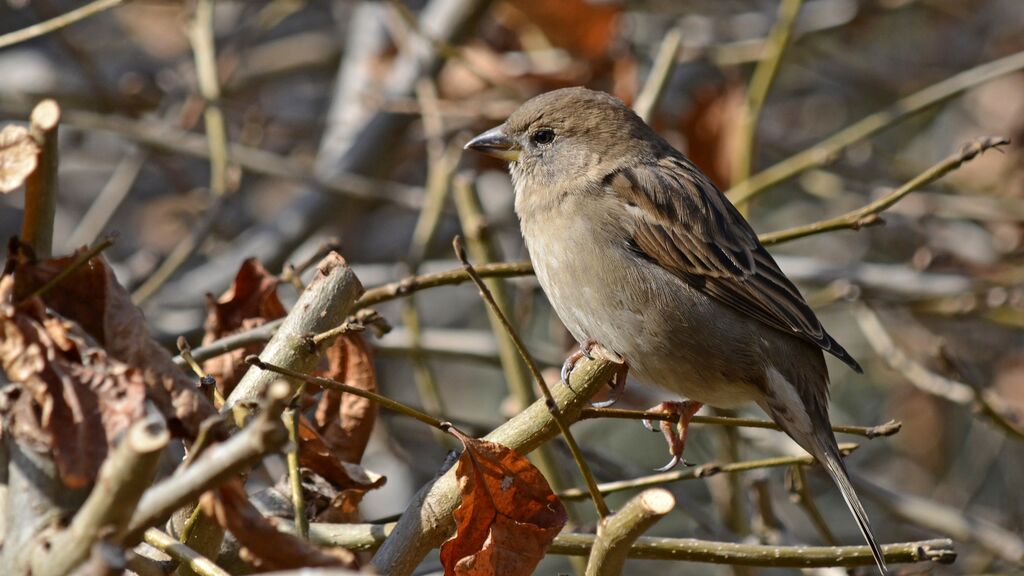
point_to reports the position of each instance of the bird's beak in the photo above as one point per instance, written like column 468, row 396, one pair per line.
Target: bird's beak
column 495, row 143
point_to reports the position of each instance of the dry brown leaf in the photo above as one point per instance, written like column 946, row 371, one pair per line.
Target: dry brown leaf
column 92, row 297
column 346, row 420
column 265, row 547
column 19, row 155
column 578, row 26
column 68, row 396
column 508, row 515
column 250, row 302
column 315, row 455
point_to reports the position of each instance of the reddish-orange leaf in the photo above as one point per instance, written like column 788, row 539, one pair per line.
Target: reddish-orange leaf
column 508, row 515
column 581, row 27
column 346, row 420
column 264, row 546
column 251, row 301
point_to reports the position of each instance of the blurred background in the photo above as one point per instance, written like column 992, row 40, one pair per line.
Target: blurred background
column 346, row 121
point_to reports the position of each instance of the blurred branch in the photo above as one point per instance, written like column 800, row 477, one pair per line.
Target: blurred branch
column 869, row 215
column 182, row 554
column 428, row 520
column 41, row 184
column 201, row 36
column 887, row 429
column 617, row 533
column 937, row 517
column 760, row 83
column 800, row 494
column 108, row 200
column 926, row 380
column 695, row 472
column 57, row 23
column 824, row 151
column 661, row 71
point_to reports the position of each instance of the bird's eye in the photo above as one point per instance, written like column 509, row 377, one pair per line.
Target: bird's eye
column 542, row 136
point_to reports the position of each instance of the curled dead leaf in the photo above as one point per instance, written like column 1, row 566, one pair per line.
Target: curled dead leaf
column 251, row 301
column 19, row 155
column 346, row 420
column 315, row 454
column 92, row 297
column 265, row 547
column 508, row 515
column 68, row 396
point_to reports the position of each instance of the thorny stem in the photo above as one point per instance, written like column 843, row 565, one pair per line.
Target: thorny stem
column 556, row 414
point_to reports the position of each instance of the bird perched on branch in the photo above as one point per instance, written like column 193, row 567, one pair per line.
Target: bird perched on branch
column 639, row 252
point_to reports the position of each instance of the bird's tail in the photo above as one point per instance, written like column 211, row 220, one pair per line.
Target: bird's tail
column 828, row 454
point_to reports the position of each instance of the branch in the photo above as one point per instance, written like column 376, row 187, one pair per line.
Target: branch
column 323, row 304
column 217, row 463
column 54, row 24
column 822, row 152
column 617, row 533
column 41, row 184
column 366, row 536
column 126, row 473
column 868, row 215
column 428, row 519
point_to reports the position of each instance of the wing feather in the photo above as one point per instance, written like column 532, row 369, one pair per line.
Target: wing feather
column 690, row 228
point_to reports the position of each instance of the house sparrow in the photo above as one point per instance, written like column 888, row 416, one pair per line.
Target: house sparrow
column 639, row 252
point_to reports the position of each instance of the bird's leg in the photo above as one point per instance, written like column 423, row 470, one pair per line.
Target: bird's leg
column 570, row 362
column 618, row 385
column 675, row 436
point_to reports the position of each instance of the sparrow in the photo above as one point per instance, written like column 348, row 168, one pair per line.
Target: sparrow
column 638, row 251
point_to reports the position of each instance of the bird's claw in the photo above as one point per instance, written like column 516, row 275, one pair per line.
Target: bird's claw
column 675, row 431
column 618, row 385
column 570, row 362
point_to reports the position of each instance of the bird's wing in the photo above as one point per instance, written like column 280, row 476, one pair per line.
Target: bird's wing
column 687, row 226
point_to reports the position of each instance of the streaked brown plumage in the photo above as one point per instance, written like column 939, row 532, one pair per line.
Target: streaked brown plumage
column 638, row 251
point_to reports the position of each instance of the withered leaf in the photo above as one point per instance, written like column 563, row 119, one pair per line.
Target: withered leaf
column 508, row 515
column 266, row 547
column 580, row 27
column 68, row 396
column 315, row 455
column 346, row 420
column 251, row 301
column 19, row 155
column 93, row 298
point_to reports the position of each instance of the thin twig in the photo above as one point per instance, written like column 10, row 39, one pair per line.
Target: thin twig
column 822, row 152
column 330, row 384
column 291, row 423
column 57, row 23
column 79, row 261
column 800, row 494
column 184, row 555
column 563, row 427
column 664, row 62
column 760, row 84
column 617, row 533
column 887, row 429
column 693, row 473
column 869, row 214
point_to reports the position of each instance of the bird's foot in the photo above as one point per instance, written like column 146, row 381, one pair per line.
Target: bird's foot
column 618, row 385
column 570, row 362
column 675, row 432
